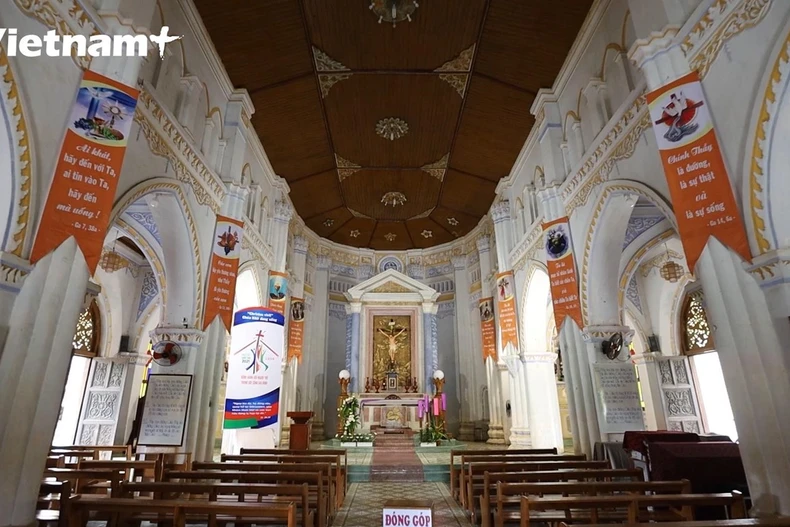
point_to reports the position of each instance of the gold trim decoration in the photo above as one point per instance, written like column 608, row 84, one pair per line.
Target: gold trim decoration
column 757, row 169
column 437, row 169
column 13, row 102
column 327, row 80
column 151, row 255
column 390, row 237
column 657, row 261
column 391, row 287
column 457, row 81
column 345, row 168
column 461, row 63
column 324, row 62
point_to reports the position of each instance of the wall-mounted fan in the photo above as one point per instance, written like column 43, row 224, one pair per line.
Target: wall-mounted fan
column 612, row 347
column 166, row 353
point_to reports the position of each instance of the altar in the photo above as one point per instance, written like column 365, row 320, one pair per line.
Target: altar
column 394, row 410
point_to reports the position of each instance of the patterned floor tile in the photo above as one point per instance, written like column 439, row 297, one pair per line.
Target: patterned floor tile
column 364, row 503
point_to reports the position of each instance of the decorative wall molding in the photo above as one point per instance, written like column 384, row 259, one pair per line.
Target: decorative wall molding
column 13, row 271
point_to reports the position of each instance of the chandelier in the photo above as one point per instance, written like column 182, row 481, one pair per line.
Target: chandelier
column 392, row 128
column 671, row 271
column 393, row 199
column 394, row 10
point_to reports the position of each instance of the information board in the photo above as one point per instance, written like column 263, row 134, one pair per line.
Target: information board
column 618, row 397
column 166, row 408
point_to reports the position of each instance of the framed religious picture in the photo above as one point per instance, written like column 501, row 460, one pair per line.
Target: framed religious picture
column 392, row 382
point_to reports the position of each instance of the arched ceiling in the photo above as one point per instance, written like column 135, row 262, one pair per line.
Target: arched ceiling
column 462, row 76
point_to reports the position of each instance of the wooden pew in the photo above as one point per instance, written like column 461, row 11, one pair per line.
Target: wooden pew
column 454, row 483
column 325, row 469
column 628, row 505
column 745, row 522
column 335, row 459
column 472, row 479
column 114, row 451
column 263, row 492
column 505, row 505
column 142, row 470
column 52, row 507
column 83, row 480
column 315, row 481
column 120, row 509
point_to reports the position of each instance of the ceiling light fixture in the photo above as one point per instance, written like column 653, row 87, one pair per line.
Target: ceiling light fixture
column 392, row 128
column 390, row 236
column 393, row 199
column 393, row 10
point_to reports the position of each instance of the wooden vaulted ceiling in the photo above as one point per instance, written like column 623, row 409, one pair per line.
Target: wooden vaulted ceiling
column 462, row 75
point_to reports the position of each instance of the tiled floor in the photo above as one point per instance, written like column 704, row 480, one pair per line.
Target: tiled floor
column 364, row 503
column 427, row 455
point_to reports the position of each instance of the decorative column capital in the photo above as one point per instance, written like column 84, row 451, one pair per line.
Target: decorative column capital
column 772, row 272
column 459, row 262
column 300, row 244
column 500, row 212
column 283, row 212
column 354, row 307
column 597, row 334
column 483, row 243
column 323, row 262
column 91, row 292
column 647, row 357
column 187, row 337
column 645, row 49
column 135, row 359
column 430, row 308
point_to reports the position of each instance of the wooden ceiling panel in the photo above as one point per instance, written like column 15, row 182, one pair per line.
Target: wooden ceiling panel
column 456, row 222
column 467, row 193
column 316, row 194
column 428, row 105
column 289, row 122
column 364, row 190
column 426, row 233
column 349, row 32
column 525, row 43
column 391, row 236
column 494, row 126
column 329, row 222
column 356, row 232
column 261, row 43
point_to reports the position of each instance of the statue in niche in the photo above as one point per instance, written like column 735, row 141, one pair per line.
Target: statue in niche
column 392, row 349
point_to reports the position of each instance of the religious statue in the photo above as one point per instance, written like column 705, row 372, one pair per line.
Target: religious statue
column 391, row 352
column 392, row 338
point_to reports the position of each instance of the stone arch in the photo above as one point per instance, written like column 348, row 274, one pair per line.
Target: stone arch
column 535, row 317
column 253, row 296
column 767, row 178
column 602, row 248
column 180, row 246
column 15, row 165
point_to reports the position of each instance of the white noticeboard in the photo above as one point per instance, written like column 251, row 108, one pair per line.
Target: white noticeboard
column 401, row 513
column 166, row 408
column 619, row 407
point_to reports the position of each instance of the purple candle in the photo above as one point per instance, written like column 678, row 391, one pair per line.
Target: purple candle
column 444, row 401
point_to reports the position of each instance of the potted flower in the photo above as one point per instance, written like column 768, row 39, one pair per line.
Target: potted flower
column 349, row 416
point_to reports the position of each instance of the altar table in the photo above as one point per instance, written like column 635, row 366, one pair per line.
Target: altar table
column 390, row 410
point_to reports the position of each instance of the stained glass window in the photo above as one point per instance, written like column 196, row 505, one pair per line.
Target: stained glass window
column 86, row 336
column 697, row 336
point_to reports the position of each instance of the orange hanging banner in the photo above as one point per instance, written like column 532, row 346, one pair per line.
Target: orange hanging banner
column 225, row 254
column 488, row 328
column 694, row 167
column 506, row 310
column 296, row 329
column 562, row 272
column 88, row 166
column 278, row 291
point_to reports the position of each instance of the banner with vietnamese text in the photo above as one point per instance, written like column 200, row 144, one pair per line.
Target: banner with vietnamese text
column 225, row 254
column 506, row 310
column 296, row 329
column 87, row 169
column 278, row 291
column 562, row 272
column 488, row 328
column 694, row 167
column 252, row 397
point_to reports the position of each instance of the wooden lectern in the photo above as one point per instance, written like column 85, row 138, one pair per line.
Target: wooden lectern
column 300, row 430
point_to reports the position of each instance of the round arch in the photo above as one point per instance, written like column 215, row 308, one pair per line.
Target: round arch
column 536, row 312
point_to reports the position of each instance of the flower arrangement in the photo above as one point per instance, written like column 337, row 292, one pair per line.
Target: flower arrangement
column 357, row 438
column 349, row 415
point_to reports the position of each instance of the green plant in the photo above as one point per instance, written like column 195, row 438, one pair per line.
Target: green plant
column 349, row 414
column 432, row 433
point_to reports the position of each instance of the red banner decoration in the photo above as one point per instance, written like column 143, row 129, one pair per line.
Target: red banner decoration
column 506, row 309
column 88, row 166
column 694, row 167
column 562, row 272
column 278, row 291
column 225, row 254
column 488, row 328
column 296, row 329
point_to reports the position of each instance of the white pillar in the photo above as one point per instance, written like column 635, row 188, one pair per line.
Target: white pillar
column 317, row 344
column 33, row 369
column 542, row 399
column 465, row 357
column 650, row 380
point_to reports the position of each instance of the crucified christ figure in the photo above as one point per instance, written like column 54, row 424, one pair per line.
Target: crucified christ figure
column 393, row 345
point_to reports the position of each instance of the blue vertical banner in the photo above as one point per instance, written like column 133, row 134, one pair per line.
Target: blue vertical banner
column 257, row 348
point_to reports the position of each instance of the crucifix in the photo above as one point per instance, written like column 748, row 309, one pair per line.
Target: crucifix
column 392, row 335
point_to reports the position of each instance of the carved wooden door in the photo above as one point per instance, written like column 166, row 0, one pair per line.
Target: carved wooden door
column 679, row 396
column 101, row 402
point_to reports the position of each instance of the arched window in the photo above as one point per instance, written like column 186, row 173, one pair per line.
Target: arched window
column 88, row 333
column 695, row 330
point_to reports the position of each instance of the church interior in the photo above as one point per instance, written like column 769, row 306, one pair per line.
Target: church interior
column 395, row 262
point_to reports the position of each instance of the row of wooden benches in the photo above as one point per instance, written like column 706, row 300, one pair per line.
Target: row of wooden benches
column 516, row 487
column 303, row 488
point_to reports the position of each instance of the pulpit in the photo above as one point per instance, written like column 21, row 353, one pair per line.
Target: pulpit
column 300, row 430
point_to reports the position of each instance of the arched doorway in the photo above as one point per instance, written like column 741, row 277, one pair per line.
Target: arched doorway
column 698, row 344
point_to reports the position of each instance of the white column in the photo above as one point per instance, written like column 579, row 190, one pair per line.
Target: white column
column 542, row 399
column 317, row 344
column 33, row 369
column 650, row 380
column 283, row 212
column 465, row 359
